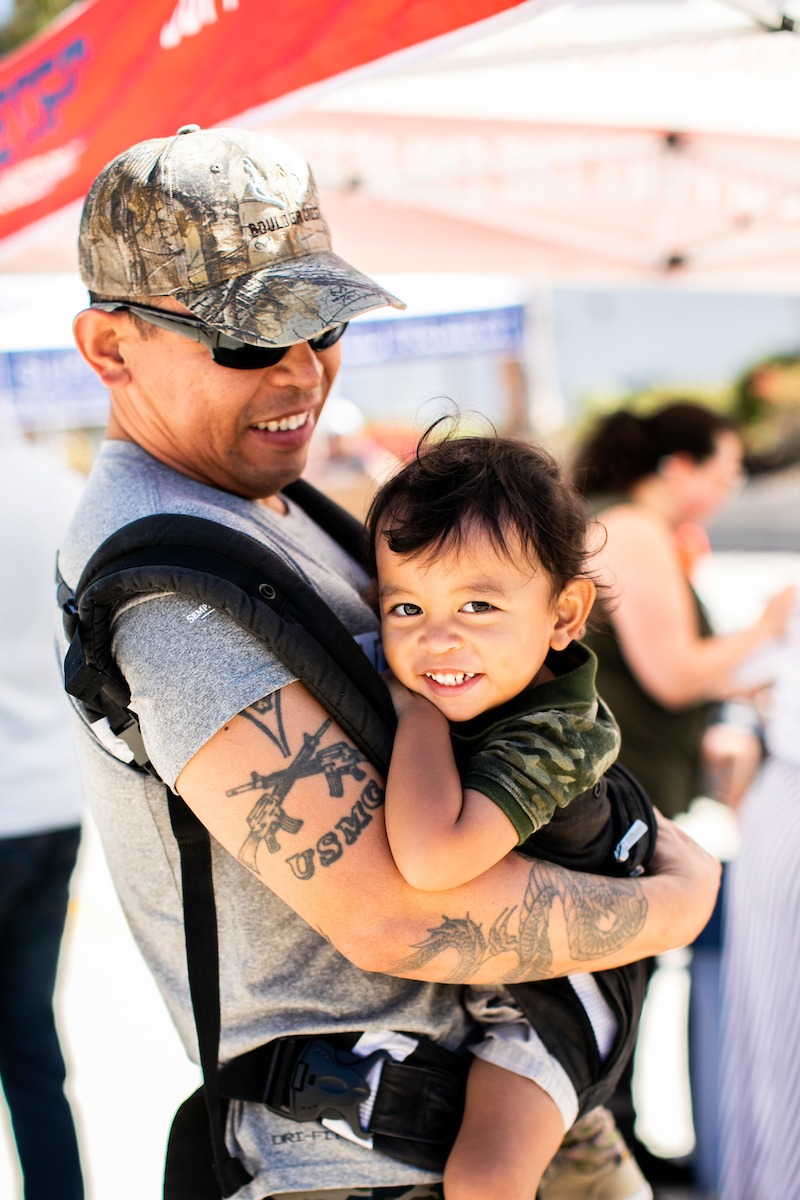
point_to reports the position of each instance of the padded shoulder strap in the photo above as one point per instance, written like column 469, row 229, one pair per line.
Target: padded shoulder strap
column 232, row 572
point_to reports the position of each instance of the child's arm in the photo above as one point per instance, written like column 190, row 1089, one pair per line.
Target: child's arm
column 440, row 835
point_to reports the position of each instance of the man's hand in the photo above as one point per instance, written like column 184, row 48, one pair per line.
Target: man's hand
column 678, row 856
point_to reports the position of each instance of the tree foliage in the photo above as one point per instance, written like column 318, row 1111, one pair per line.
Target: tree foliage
column 28, row 18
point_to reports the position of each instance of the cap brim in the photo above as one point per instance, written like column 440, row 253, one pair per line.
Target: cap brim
column 289, row 302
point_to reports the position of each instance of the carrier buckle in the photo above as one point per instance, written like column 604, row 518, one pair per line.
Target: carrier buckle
column 329, row 1082
column 626, row 843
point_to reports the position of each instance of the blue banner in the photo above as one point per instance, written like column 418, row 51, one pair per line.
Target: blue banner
column 51, row 389
column 486, row 331
column 55, row 389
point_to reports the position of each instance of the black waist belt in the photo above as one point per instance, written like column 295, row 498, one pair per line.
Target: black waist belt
column 417, row 1107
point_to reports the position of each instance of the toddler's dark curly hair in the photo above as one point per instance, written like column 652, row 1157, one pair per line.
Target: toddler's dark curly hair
column 508, row 488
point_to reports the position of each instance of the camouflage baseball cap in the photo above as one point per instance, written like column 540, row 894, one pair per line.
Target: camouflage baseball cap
column 228, row 222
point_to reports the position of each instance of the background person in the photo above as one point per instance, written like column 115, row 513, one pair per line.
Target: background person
column 216, row 307
column 40, row 815
column 661, row 669
column 760, row 1061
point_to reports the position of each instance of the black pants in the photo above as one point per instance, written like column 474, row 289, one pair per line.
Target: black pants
column 34, row 882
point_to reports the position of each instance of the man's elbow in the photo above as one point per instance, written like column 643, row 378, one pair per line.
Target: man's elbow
column 378, row 947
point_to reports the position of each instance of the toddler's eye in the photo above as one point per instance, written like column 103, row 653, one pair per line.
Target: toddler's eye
column 406, row 609
column 478, row 606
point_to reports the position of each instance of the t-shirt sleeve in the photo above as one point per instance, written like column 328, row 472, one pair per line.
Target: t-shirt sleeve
column 190, row 669
column 541, row 761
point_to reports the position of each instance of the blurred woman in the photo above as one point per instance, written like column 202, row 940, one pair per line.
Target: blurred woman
column 661, row 667
column 662, row 670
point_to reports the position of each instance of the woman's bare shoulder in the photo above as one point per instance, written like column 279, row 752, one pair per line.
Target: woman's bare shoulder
column 632, row 520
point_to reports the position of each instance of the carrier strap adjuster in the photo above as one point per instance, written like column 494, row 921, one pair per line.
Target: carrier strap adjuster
column 417, row 1103
column 327, row 1081
column 304, row 1079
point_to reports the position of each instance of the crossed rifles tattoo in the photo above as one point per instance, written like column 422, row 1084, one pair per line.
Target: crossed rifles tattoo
column 267, row 817
column 600, row 917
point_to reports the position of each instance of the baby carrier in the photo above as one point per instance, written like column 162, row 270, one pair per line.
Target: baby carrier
column 419, row 1101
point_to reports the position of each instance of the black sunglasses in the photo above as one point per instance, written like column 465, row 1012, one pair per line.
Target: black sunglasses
column 225, row 351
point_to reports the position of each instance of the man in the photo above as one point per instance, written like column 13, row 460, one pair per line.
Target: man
column 41, row 809
column 216, row 385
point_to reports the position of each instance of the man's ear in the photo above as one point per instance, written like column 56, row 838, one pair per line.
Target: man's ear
column 572, row 610
column 98, row 336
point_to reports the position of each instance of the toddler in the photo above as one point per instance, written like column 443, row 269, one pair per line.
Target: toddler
column 480, row 549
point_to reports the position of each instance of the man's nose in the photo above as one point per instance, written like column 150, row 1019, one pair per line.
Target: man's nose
column 300, row 366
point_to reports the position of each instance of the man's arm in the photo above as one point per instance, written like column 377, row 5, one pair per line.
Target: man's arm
column 282, row 788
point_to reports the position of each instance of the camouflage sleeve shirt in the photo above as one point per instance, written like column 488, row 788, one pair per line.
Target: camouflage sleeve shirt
column 539, row 751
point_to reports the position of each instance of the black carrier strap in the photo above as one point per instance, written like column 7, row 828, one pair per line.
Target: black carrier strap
column 624, row 846
column 553, row 1008
column 202, row 960
column 417, row 1106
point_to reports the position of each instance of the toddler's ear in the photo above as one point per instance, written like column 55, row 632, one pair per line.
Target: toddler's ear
column 571, row 612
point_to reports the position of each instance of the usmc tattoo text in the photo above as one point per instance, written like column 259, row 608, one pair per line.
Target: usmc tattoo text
column 268, row 819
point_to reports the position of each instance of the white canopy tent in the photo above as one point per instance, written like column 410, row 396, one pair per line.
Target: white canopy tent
column 600, row 140
column 596, row 140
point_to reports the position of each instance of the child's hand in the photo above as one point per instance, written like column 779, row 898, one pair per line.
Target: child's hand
column 402, row 697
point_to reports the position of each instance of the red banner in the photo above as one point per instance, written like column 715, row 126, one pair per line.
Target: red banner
column 109, row 74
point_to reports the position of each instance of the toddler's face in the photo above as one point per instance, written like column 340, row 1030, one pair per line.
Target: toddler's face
column 471, row 628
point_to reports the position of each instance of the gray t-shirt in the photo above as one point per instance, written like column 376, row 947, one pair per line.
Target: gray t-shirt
column 189, row 674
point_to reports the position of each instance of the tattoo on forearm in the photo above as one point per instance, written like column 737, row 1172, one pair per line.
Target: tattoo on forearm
column 600, row 919
column 602, row 915
column 268, row 818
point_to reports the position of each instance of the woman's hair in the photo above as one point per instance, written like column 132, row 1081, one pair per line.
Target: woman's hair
column 624, row 448
column 506, row 487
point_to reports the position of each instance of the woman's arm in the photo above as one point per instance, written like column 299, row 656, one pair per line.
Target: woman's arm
column 304, row 813
column 654, row 614
column 440, row 835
